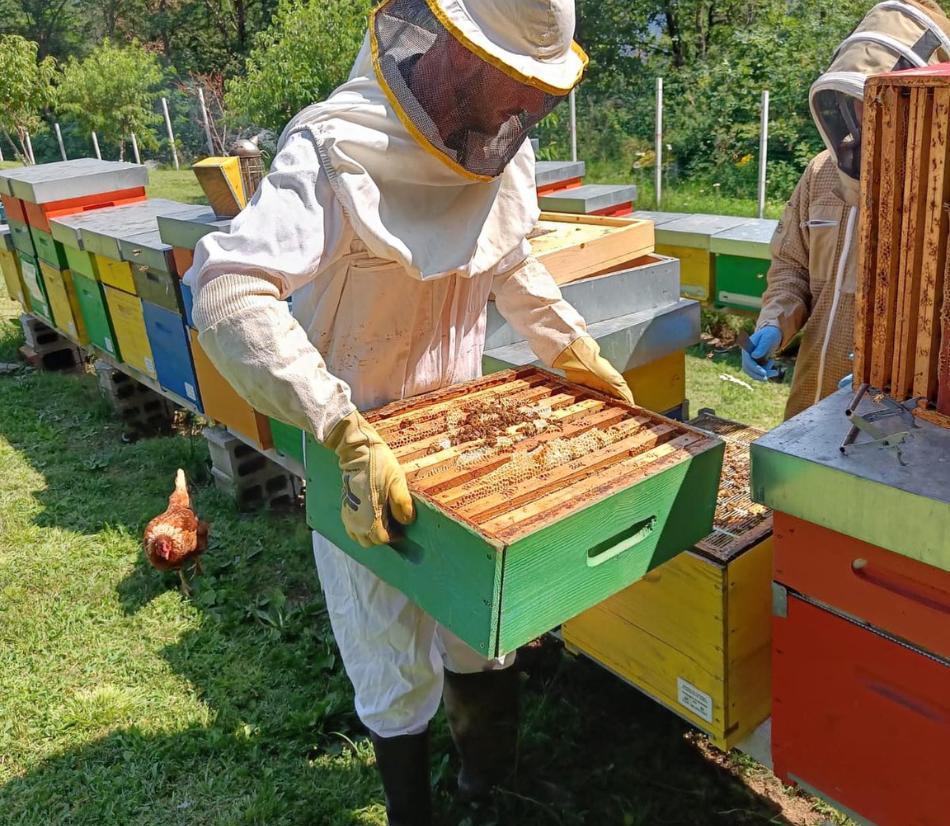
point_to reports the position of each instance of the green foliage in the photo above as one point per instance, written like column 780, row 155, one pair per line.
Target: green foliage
column 25, row 89
column 305, row 54
column 113, row 92
column 715, row 58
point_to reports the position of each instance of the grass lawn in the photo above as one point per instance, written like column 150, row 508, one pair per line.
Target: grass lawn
column 125, row 703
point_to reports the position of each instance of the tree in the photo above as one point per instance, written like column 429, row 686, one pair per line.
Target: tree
column 25, row 90
column 113, row 92
column 304, row 54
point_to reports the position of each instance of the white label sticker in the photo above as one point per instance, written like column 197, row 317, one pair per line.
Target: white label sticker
column 29, row 276
column 109, row 345
column 190, row 392
column 72, row 329
column 149, row 365
column 698, row 702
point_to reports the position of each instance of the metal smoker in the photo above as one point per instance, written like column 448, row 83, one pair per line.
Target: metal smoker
column 251, row 161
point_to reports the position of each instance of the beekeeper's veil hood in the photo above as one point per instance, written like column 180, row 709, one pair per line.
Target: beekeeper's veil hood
column 426, row 145
column 894, row 35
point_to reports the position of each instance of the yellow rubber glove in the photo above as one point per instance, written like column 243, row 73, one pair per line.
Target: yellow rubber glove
column 583, row 364
column 374, row 485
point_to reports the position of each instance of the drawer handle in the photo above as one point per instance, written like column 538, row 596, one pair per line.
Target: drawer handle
column 902, row 586
column 624, row 541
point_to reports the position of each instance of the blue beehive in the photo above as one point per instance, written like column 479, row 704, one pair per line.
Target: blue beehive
column 171, row 352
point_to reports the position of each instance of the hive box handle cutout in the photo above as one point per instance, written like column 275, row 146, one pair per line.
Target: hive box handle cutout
column 622, row 542
column 412, row 551
column 901, row 585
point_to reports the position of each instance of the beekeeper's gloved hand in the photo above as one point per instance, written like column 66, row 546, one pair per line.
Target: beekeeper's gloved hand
column 583, row 364
column 763, row 344
column 374, row 485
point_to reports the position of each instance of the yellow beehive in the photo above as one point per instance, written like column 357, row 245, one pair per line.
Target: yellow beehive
column 660, row 385
column 10, row 266
column 64, row 303
column 128, row 322
column 697, row 274
column 115, row 273
column 694, row 634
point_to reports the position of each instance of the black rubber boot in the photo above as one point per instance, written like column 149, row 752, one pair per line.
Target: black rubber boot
column 482, row 710
column 403, row 764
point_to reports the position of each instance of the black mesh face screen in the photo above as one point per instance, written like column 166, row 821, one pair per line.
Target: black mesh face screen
column 839, row 116
column 468, row 110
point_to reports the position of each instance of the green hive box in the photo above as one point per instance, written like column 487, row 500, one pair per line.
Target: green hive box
column 48, row 249
column 35, row 286
column 288, row 439
column 743, row 256
column 499, row 588
column 95, row 313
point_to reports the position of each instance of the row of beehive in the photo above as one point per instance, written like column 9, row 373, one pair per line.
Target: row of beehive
column 724, row 260
column 84, row 252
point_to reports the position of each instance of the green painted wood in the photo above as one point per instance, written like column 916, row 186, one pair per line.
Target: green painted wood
column 159, row 287
column 550, row 576
column 22, row 240
column 95, row 313
column 81, row 262
column 442, row 565
column 36, row 287
column 48, row 249
column 741, row 282
column 288, row 439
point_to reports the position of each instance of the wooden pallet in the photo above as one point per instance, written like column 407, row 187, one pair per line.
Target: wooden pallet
column 901, row 324
column 535, row 499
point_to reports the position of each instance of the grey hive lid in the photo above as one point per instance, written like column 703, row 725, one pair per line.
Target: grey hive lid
column 750, row 240
column 695, row 231
column 71, row 179
column 102, row 236
column 552, row 172
column 185, row 233
column 583, row 200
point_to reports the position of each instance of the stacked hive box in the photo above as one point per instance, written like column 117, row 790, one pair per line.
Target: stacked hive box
column 629, row 298
column 741, row 260
column 694, row 633
column 181, row 234
column 35, row 196
column 555, row 176
column 535, row 500
column 10, row 265
column 690, row 240
column 613, row 200
column 861, row 636
column 902, row 324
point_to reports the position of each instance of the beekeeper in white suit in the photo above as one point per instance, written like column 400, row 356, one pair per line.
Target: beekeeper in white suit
column 391, row 212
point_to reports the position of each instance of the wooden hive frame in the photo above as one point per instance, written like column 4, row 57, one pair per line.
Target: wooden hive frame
column 900, row 316
column 502, row 504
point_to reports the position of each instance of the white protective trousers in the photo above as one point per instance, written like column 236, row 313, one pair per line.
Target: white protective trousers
column 364, row 332
column 393, row 651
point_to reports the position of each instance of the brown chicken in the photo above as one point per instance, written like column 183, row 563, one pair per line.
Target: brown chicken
column 177, row 536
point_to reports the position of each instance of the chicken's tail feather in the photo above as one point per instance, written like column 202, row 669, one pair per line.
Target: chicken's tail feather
column 181, row 485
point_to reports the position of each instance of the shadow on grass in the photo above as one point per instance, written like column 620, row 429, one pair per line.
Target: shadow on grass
column 280, row 743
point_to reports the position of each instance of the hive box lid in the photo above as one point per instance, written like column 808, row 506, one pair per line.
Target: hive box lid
column 71, row 179
column 695, row 231
column 659, row 218
column 102, row 234
column 149, row 250
column 750, row 240
column 185, row 233
column 587, row 199
column 552, row 172
column 868, row 493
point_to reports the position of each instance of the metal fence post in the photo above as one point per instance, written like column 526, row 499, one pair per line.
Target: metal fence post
column 659, row 141
column 95, row 145
column 171, row 134
column 573, row 103
column 29, row 149
column 135, row 149
column 764, row 153
column 59, row 140
column 204, row 118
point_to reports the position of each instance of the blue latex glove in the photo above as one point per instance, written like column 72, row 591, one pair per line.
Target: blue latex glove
column 764, row 343
column 847, row 381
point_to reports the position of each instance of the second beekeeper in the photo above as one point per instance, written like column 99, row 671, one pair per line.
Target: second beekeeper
column 813, row 277
column 392, row 211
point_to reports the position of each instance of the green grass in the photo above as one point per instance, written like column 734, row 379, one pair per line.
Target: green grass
column 175, row 186
column 124, row 703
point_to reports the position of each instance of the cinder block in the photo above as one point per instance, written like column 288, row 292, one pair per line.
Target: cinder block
column 272, row 487
column 38, row 335
column 233, row 457
column 144, row 412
